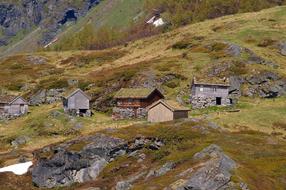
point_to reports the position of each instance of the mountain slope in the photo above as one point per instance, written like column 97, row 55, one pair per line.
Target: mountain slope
column 47, row 29
column 246, row 47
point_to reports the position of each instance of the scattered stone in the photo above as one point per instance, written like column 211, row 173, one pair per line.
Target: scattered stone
column 20, row 141
column 73, row 82
column 36, row 60
column 78, row 126
column 161, row 171
column 234, row 50
column 127, row 185
column 282, row 47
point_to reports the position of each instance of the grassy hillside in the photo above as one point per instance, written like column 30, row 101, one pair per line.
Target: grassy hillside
column 256, row 128
column 159, row 62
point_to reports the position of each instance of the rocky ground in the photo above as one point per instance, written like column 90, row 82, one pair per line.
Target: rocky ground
column 187, row 154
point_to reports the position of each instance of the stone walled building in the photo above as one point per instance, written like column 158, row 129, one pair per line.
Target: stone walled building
column 132, row 102
column 12, row 106
column 77, row 103
column 166, row 110
column 206, row 94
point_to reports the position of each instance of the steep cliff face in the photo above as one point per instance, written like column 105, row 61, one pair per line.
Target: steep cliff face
column 18, row 17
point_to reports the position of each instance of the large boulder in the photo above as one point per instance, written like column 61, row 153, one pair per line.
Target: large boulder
column 215, row 171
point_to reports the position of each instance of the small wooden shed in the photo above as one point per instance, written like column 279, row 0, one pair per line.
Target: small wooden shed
column 13, row 105
column 166, row 110
column 77, row 102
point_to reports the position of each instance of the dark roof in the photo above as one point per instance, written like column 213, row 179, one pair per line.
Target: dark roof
column 170, row 104
column 8, row 99
column 211, row 82
column 138, row 93
column 71, row 92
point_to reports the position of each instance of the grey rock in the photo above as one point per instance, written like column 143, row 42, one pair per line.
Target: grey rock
column 78, row 126
column 161, row 171
column 20, row 141
column 234, row 50
column 72, row 82
column 282, row 47
column 80, row 160
column 36, row 60
column 235, row 85
column 55, row 114
column 214, row 173
column 123, row 185
column 48, row 16
column 127, row 185
column 45, row 96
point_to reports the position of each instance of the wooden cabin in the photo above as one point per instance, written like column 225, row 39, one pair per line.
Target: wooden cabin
column 166, row 110
column 13, row 106
column 77, row 102
column 132, row 102
column 210, row 93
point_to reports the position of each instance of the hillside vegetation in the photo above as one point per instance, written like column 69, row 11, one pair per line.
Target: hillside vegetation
column 256, row 128
column 175, row 13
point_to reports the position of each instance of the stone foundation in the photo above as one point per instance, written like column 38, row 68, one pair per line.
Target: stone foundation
column 128, row 113
column 204, row 102
column 77, row 113
column 5, row 116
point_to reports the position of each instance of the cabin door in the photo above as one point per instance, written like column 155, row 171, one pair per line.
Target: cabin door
column 218, row 101
column 22, row 109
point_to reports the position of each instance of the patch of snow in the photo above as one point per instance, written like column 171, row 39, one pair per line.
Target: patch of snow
column 152, row 20
column 49, row 44
column 18, row 169
column 158, row 22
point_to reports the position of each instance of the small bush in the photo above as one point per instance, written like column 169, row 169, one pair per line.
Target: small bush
column 266, row 42
column 181, row 45
column 173, row 83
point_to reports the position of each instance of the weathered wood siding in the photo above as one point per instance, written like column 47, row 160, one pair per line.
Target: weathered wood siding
column 78, row 101
column 18, row 107
column 210, row 91
column 181, row 114
column 160, row 113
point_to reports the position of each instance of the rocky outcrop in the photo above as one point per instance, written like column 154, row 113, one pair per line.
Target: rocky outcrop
column 83, row 159
column 161, row 171
column 46, row 96
column 48, row 15
column 213, row 172
column 252, row 58
column 266, row 85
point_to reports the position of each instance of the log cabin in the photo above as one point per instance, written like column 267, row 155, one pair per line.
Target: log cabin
column 132, row 102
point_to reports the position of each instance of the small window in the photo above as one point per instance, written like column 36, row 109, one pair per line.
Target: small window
column 201, row 89
column 214, row 89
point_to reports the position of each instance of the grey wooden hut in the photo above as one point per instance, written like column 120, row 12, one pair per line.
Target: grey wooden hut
column 13, row 105
column 166, row 110
column 77, row 102
column 210, row 93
